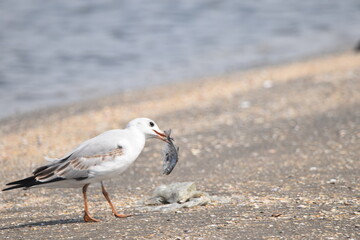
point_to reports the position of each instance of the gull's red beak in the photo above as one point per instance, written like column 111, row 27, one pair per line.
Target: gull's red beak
column 161, row 136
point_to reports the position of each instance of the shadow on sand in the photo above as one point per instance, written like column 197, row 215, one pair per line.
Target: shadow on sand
column 41, row 224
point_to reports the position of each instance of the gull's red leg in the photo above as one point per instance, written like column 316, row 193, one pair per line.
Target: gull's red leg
column 106, row 195
column 87, row 216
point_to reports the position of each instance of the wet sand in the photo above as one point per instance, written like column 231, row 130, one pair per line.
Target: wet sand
column 282, row 143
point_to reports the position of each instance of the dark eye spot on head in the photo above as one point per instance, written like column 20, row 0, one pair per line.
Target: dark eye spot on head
column 151, row 124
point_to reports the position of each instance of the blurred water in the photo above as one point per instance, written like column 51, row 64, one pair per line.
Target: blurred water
column 56, row 52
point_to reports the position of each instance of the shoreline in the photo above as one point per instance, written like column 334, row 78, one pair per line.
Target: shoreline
column 80, row 106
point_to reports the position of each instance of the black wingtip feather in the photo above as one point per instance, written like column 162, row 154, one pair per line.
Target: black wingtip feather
column 10, row 188
column 22, row 181
column 28, row 182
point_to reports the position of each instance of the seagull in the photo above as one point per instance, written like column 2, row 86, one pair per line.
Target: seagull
column 95, row 160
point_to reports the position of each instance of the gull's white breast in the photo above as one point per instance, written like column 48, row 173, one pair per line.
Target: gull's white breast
column 132, row 143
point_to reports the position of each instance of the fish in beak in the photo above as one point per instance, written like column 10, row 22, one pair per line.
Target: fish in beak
column 170, row 153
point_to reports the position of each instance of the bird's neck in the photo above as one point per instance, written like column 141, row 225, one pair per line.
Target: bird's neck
column 138, row 138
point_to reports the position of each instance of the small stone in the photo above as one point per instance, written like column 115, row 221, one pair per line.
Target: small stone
column 332, row 181
column 272, row 150
column 245, row 104
column 267, row 84
column 313, row 169
column 195, row 151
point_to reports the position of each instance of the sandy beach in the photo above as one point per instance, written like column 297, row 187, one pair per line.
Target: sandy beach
column 282, row 143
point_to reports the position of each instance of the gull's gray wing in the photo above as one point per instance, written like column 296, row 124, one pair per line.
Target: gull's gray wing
column 76, row 165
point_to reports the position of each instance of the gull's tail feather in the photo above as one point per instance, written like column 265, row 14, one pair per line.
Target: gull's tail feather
column 41, row 175
column 28, row 182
